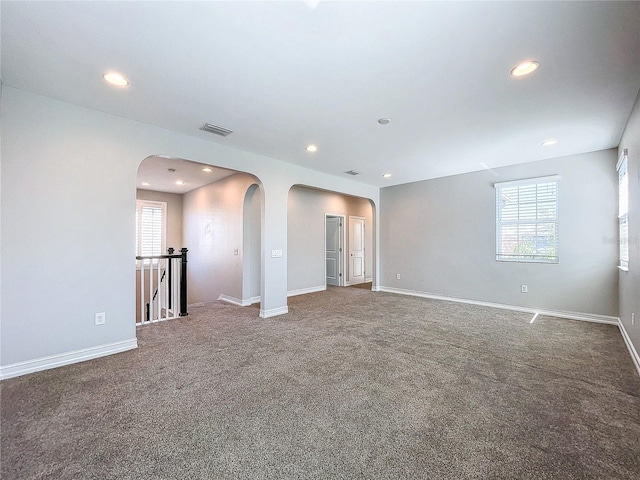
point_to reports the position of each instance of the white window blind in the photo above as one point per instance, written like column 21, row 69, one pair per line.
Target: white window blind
column 150, row 228
column 623, row 210
column 527, row 228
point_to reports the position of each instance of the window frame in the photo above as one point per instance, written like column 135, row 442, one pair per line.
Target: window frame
column 140, row 204
column 502, row 256
column 622, row 167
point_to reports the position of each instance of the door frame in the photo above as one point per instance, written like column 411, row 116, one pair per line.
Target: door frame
column 342, row 256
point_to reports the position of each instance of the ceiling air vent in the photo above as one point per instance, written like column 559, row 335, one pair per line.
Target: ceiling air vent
column 352, row 172
column 211, row 128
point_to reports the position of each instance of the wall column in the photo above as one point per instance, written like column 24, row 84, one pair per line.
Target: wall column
column 274, row 238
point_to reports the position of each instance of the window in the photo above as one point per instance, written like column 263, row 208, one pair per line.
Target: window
column 150, row 228
column 623, row 210
column 527, row 220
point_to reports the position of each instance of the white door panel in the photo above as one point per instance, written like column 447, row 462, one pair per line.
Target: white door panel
column 333, row 250
column 332, row 270
column 356, row 250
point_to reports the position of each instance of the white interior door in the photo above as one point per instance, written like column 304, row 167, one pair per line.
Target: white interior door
column 356, row 250
column 333, row 248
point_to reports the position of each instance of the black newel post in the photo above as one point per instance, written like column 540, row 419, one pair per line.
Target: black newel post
column 183, row 283
column 170, row 251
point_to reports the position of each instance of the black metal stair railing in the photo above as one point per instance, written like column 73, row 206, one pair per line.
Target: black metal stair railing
column 168, row 275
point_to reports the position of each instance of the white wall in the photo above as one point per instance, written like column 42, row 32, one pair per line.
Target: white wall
column 213, row 233
column 439, row 235
column 68, row 186
column 630, row 281
column 1, row 223
column 306, row 233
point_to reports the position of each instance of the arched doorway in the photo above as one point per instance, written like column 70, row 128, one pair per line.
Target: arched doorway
column 216, row 214
column 309, row 263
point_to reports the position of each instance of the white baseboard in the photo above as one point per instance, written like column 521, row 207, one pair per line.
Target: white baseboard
column 234, row 301
column 632, row 350
column 349, row 284
column 273, row 312
column 303, row 291
column 587, row 317
column 53, row 361
column 239, row 302
column 375, row 288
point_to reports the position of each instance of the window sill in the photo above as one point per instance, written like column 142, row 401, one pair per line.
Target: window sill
column 623, row 269
column 544, row 262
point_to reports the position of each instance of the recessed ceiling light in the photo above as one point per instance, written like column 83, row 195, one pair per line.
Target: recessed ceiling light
column 386, row 175
column 115, row 78
column 207, row 169
column 384, row 121
column 145, row 184
column 548, row 143
column 311, row 148
column 179, row 182
column 524, row 68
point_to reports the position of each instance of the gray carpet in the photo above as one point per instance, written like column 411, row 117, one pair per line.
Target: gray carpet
column 350, row 384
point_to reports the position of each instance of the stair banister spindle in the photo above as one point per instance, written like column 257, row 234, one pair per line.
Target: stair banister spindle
column 142, row 302
column 170, row 263
column 165, row 288
column 158, row 286
column 151, row 317
column 176, row 289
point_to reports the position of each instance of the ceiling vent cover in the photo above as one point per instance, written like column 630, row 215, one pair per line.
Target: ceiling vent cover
column 211, row 128
column 352, row 172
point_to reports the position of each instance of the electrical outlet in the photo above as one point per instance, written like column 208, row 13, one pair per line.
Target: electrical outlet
column 524, row 288
column 633, row 319
column 235, row 252
column 397, row 276
column 101, row 318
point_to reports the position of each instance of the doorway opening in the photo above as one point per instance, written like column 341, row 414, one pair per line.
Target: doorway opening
column 320, row 250
column 213, row 213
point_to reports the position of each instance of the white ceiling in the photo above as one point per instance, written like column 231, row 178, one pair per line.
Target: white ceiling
column 282, row 75
column 156, row 172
